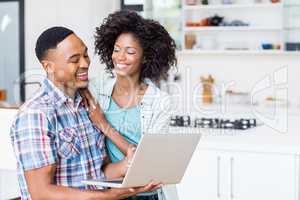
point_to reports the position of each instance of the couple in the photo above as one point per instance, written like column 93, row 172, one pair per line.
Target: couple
column 61, row 136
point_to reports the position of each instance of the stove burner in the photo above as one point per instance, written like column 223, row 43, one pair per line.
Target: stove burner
column 218, row 123
column 182, row 121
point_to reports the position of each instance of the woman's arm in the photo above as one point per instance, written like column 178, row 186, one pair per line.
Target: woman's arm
column 97, row 116
column 119, row 169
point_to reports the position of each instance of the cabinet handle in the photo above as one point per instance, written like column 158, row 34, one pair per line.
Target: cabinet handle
column 231, row 177
column 218, row 176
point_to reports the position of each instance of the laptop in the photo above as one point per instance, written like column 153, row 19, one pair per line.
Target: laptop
column 158, row 157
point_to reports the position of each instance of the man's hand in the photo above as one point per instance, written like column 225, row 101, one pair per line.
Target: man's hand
column 127, row 192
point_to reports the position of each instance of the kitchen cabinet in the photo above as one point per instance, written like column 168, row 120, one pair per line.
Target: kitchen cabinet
column 218, row 174
column 262, row 176
column 202, row 180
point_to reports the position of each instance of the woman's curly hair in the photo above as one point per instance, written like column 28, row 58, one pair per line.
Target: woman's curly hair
column 158, row 46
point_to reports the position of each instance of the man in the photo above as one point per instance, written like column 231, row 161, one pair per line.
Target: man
column 55, row 143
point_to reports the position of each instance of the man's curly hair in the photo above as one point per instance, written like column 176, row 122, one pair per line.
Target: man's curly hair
column 158, row 46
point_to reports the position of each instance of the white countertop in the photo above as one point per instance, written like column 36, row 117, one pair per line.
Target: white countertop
column 7, row 160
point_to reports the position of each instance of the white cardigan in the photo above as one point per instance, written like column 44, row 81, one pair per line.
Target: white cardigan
column 155, row 109
column 155, row 105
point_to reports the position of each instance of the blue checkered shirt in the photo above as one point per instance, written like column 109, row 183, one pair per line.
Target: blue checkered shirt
column 51, row 128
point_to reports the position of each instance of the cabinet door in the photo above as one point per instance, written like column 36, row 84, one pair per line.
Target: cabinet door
column 204, row 177
column 262, row 176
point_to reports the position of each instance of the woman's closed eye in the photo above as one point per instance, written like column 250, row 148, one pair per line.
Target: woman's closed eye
column 131, row 52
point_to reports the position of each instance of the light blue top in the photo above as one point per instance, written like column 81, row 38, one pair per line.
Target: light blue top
column 155, row 110
column 127, row 122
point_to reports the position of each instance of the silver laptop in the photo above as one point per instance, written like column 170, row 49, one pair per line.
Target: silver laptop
column 158, row 157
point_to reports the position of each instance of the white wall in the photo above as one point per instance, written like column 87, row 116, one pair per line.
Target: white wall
column 82, row 16
column 245, row 72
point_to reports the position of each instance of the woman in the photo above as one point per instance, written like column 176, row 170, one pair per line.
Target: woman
column 138, row 53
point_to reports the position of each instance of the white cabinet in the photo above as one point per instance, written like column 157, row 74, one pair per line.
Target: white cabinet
column 202, row 178
column 227, row 175
column 262, row 176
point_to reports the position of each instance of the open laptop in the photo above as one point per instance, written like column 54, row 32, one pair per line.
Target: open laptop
column 158, row 157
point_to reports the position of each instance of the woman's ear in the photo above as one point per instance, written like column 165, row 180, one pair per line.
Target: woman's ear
column 144, row 60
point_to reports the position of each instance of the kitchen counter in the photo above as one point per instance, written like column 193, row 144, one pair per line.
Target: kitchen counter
column 5, row 105
column 8, row 175
column 263, row 138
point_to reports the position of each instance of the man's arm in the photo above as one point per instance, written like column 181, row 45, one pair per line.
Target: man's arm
column 40, row 186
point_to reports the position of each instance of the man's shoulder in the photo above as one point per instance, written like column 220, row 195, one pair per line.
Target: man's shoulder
column 40, row 103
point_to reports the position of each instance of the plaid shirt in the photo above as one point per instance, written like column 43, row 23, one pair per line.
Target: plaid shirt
column 50, row 129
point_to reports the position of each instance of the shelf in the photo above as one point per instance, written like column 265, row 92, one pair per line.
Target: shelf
column 232, row 28
column 236, row 52
column 266, row 23
column 292, row 28
column 233, row 6
column 292, row 5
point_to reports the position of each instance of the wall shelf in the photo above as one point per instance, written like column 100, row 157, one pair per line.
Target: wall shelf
column 232, row 28
column 236, row 52
column 292, row 28
column 233, row 6
column 269, row 23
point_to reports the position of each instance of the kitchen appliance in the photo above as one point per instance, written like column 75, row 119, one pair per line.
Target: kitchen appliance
column 215, row 123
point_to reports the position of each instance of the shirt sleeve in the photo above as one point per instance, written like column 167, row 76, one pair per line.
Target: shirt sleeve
column 32, row 139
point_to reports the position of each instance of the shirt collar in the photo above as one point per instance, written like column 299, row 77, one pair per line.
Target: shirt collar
column 57, row 96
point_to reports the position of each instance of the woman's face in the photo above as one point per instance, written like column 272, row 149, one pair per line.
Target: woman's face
column 127, row 55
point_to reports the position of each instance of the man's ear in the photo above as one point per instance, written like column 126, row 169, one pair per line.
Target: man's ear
column 48, row 66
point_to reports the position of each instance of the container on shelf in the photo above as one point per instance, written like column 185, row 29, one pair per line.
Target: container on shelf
column 292, row 46
column 189, row 41
column 228, row 1
column 3, row 95
column 190, row 2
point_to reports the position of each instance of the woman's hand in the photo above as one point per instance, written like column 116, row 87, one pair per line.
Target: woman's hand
column 95, row 112
column 126, row 162
column 98, row 118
